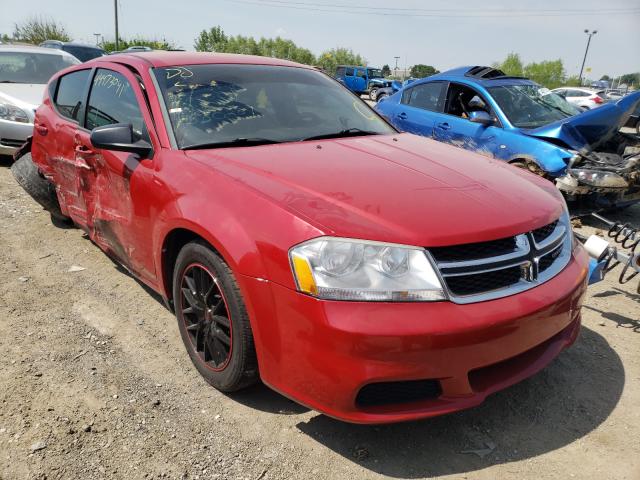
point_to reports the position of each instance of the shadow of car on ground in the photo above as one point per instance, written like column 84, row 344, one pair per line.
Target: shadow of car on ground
column 554, row 408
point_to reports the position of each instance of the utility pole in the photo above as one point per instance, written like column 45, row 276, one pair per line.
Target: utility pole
column 395, row 69
column 115, row 6
column 586, row 51
column 97, row 38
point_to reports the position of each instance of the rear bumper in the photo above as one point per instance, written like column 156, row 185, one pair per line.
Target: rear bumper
column 321, row 353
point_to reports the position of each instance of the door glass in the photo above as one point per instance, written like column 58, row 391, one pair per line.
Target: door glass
column 349, row 72
column 112, row 100
column 70, row 94
column 462, row 100
column 426, row 96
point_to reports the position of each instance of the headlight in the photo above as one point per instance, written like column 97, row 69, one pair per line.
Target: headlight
column 598, row 178
column 565, row 220
column 9, row 111
column 345, row 269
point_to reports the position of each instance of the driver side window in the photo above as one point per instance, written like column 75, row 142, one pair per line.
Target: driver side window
column 112, row 100
column 462, row 100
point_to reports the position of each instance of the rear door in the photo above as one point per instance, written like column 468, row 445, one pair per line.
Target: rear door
column 55, row 131
column 115, row 186
column 349, row 78
column 360, row 80
column 420, row 108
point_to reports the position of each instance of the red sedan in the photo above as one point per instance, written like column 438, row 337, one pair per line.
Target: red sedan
column 301, row 240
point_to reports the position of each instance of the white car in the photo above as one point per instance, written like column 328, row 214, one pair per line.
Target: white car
column 585, row 98
column 24, row 73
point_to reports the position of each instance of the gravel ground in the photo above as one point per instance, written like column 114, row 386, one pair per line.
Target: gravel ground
column 95, row 383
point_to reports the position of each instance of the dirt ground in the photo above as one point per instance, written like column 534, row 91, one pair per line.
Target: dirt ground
column 95, row 383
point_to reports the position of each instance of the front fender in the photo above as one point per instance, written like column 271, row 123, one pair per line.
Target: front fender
column 550, row 158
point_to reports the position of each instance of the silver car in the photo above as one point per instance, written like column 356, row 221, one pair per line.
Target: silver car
column 24, row 73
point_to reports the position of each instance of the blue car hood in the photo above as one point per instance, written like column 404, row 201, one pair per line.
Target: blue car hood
column 590, row 129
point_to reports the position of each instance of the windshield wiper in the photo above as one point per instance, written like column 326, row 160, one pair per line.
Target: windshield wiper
column 347, row 132
column 238, row 142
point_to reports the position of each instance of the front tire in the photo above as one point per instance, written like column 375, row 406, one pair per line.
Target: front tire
column 212, row 319
column 373, row 94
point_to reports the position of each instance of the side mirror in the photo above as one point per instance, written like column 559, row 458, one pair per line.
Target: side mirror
column 119, row 137
column 481, row 117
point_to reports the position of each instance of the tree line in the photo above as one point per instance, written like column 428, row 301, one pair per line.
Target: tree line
column 550, row 73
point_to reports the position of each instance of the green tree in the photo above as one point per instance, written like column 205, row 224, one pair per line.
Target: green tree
column 330, row 59
column 512, row 65
column 547, row 73
column 630, row 79
column 606, row 78
column 386, row 71
column 420, row 71
column 123, row 44
column 38, row 29
column 213, row 40
column 572, row 81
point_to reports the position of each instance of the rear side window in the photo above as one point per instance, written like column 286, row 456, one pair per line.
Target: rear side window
column 70, row 94
column 427, row 96
column 112, row 100
column 340, row 71
column 349, row 72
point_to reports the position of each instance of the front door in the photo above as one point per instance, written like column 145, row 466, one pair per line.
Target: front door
column 113, row 184
column 455, row 127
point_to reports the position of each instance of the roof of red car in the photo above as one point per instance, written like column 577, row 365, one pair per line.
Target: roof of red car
column 159, row 58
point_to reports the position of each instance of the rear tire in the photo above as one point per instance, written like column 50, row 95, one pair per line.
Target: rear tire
column 41, row 190
column 212, row 318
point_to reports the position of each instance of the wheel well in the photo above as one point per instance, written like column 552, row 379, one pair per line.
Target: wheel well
column 173, row 243
column 529, row 164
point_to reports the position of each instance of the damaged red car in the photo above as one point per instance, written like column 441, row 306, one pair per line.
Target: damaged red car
column 301, row 240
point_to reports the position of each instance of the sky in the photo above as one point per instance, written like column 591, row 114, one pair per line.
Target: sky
column 441, row 33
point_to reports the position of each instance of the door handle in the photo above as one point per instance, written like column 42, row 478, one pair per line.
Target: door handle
column 41, row 129
column 84, row 151
column 443, row 126
column 402, row 116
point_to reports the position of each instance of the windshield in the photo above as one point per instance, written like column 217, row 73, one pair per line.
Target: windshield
column 84, row 54
column 375, row 73
column 29, row 67
column 217, row 104
column 531, row 106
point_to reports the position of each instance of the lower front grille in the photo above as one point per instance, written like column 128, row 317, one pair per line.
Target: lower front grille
column 390, row 393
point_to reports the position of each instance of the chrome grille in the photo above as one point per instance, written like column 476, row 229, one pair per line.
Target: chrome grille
column 482, row 271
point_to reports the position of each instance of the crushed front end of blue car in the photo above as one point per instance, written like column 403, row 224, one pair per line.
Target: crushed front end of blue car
column 513, row 119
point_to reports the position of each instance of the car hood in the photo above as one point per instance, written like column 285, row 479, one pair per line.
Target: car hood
column 587, row 131
column 401, row 188
column 25, row 95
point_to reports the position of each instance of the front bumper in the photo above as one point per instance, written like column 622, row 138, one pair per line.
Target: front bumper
column 321, row 353
column 13, row 135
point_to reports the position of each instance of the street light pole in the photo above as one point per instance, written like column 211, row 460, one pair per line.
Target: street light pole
column 586, row 51
column 115, row 6
column 97, row 38
column 395, row 69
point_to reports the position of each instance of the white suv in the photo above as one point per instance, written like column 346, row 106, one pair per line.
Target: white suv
column 582, row 97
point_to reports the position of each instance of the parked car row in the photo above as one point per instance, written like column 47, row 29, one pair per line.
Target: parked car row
column 518, row 121
column 301, row 239
column 24, row 73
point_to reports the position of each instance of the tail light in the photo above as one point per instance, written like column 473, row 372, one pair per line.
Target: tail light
column 597, row 99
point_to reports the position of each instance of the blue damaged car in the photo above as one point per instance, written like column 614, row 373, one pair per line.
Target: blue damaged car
column 516, row 120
